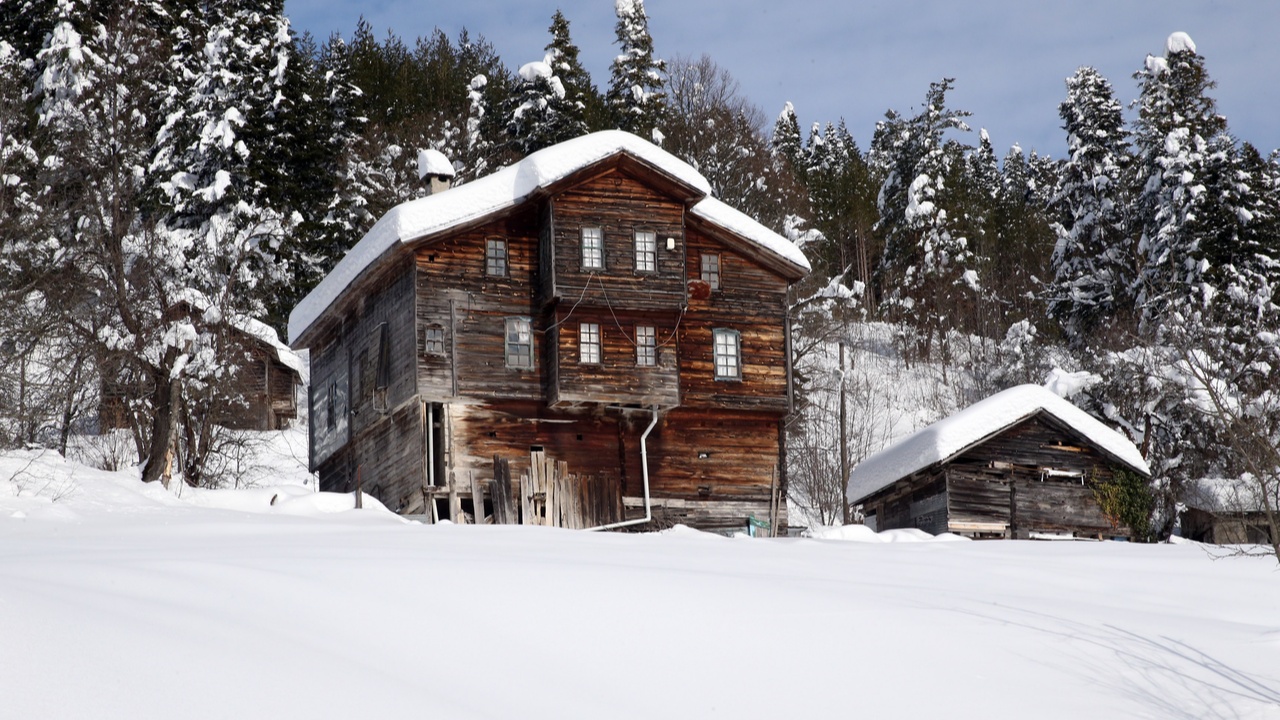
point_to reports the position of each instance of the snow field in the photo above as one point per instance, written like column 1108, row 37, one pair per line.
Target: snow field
column 121, row 600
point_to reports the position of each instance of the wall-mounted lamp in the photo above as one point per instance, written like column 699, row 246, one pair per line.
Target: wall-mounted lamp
column 671, row 243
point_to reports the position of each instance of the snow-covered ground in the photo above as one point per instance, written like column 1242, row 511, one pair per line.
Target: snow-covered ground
column 119, row 600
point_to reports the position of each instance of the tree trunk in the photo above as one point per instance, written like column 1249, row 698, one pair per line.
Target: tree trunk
column 164, row 421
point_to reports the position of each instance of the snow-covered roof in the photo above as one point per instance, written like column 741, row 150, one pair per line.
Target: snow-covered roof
column 507, row 188
column 268, row 335
column 245, row 324
column 744, row 225
column 951, row 436
column 1226, row 495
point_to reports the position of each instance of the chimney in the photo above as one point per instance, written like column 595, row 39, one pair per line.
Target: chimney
column 434, row 170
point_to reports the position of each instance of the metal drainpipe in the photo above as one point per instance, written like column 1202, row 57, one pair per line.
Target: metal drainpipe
column 644, row 472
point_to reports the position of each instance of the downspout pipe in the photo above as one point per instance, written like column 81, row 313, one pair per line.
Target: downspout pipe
column 644, row 472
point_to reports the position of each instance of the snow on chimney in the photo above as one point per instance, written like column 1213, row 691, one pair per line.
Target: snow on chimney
column 435, row 170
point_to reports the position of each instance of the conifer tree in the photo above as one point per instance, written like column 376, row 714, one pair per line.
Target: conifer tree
column 926, row 272
column 583, row 105
column 636, row 96
column 786, row 140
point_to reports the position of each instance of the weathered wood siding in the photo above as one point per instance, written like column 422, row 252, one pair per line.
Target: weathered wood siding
column 703, row 454
column 619, row 205
column 1035, row 477
column 588, row 441
column 366, row 379
column 751, row 301
column 616, row 379
column 329, row 404
column 455, row 293
column 386, row 459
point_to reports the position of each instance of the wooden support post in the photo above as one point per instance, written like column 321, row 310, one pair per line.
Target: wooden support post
column 477, row 499
column 455, row 504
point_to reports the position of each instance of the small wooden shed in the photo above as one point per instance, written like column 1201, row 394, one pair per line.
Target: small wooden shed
column 268, row 376
column 1021, row 463
column 1226, row 511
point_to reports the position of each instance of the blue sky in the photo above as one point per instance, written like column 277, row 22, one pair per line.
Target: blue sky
column 855, row 60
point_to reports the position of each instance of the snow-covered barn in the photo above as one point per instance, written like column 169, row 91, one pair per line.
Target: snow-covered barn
column 1021, row 463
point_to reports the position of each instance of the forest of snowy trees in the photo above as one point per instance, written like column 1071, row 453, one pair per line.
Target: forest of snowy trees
column 163, row 154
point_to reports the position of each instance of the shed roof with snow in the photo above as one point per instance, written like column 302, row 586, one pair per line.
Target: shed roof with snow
column 427, row 217
column 952, row 436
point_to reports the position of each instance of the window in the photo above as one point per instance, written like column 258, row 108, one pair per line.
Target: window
column 646, row 346
column 711, row 270
column 646, row 251
column 589, row 342
column 433, row 340
column 495, row 257
column 592, row 249
column 383, row 371
column 728, row 363
column 519, row 344
column 331, row 406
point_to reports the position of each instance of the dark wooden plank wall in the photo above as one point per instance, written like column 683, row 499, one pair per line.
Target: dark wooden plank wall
column 740, row 449
column 751, row 300
column 347, row 352
column 454, row 292
column 1039, row 442
column 387, row 460
column 587, row 440
column 908, row 501
column 328, row 368
column 619, row 205
column 616, row 380
column 391, row 303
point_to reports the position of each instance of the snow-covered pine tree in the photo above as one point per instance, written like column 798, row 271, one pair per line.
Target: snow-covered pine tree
column 636, row 95
column 1093, row 264
column 535, row 119
column 1177, row 120
column 927, row 271
column 583, row 105
column 786, row 141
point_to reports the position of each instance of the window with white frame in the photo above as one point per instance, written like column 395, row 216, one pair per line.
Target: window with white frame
column 433, row 340
column 519, row 343
column 646, row 345
column 589, row 343
column 646, row 251
column 592, row 249
column 711, row 270
column 495, row 257
column 728, row 354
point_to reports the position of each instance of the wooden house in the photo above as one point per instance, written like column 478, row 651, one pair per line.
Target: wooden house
column 1021, row 463
column 265, row 384
column 590, row 304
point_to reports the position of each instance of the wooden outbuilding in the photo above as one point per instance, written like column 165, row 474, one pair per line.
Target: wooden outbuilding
column 1021, row 463
column 1228, row 511
column 265, row 382
column 590, row 308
